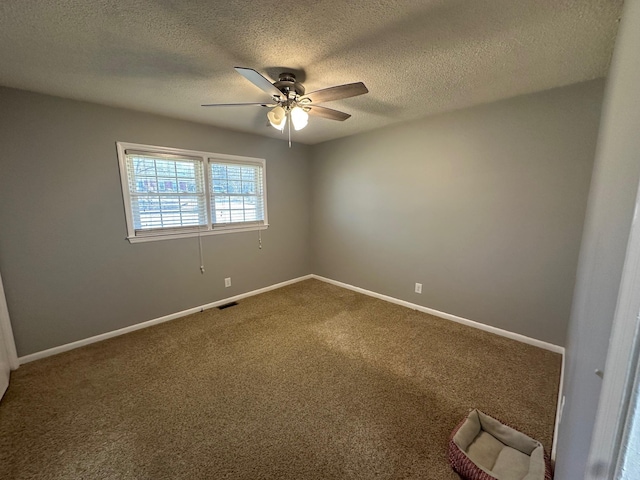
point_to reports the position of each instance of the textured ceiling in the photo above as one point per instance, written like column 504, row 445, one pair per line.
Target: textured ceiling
column 417, row 57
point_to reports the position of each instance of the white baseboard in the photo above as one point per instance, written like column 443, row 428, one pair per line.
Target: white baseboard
column 470, row 323
column 87, row 341
column 481, row 326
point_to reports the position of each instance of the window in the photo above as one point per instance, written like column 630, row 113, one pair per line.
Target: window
column 172, row 193
column 236, row 193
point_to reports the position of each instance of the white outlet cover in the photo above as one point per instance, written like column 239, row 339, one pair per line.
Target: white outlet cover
column 227, row 282
column 418, row 288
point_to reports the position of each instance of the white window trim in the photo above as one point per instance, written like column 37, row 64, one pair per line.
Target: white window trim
column 206, row 157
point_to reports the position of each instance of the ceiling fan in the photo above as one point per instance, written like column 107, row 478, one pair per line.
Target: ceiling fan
column 289, row 101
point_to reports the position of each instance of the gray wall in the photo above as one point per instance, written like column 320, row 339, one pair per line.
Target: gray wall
column 68, row 271
column 483, row 206
column 609, row 215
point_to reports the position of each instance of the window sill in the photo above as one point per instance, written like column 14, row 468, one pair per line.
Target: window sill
column 204, row 233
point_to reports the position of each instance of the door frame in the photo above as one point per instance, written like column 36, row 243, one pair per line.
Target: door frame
column 7, row 331
column 621, row 366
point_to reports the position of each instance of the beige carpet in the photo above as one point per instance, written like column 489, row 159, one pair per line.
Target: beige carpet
column 310, row 381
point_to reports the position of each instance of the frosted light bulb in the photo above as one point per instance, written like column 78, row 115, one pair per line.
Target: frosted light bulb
column 299, row 118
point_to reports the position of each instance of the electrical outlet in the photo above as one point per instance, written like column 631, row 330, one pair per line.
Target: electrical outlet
column 227, row 282
column 418, row 288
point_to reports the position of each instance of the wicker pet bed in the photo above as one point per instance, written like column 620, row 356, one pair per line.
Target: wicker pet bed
column 482, row 448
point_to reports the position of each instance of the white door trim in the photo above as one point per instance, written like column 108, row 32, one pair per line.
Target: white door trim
column 7, row 331
column 621, row 366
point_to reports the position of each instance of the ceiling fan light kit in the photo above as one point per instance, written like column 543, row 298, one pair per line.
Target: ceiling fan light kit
column 277, row 118
column 288, row 99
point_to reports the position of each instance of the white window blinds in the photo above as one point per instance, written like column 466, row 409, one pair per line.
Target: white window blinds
column 237, row 195
column 173, row 193
column 166, row 192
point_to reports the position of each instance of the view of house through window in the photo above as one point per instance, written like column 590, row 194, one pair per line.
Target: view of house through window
column 170, row 192
column 166, row 193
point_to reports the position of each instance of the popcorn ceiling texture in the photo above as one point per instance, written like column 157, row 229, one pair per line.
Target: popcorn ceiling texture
column 416, row 57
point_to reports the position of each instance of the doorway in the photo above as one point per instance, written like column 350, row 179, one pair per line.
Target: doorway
column 8, row 356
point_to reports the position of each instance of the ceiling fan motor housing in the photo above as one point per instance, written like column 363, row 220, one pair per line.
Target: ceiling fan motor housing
column 287, row 83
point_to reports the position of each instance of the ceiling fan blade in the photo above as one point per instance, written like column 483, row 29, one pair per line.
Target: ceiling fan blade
column 329, row 113
column 259, row 81
column 238, row 104
column 337, row 93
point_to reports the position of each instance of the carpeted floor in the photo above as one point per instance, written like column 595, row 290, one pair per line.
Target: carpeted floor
column 310, row 381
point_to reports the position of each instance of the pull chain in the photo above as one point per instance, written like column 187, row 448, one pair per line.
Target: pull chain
column 200, row 250
column 260, row 239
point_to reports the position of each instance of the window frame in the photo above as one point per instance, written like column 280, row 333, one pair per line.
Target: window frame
column 206, row 159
